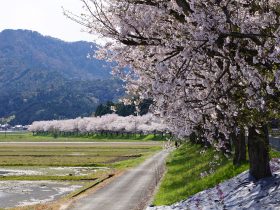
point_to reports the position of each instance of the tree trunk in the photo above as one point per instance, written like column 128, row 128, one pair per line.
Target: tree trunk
column 193, row 138
column 242, row 139
column 258, row 148
column 228, row 148
column 240, row 147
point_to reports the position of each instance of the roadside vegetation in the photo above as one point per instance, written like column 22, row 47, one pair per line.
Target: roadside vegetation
column 29, row 137
column 191, row 169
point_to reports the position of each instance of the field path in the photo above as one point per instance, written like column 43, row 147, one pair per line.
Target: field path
column 130, row 191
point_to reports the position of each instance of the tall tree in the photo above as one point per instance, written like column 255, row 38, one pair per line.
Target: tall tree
column 206, row 63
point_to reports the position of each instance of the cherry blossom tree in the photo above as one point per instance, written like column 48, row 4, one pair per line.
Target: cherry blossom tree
column 110, row 123
column 206, row 63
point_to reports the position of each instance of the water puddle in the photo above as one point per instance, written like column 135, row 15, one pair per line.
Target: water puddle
column 20, row 193
column 49, row 171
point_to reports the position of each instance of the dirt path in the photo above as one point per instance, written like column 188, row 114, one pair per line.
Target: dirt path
column 130, row 191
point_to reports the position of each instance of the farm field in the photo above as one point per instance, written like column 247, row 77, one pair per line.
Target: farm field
column 80, row 163
column 72, row 154
column 28, row 137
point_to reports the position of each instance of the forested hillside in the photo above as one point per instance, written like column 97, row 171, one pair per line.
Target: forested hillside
column 45, row 78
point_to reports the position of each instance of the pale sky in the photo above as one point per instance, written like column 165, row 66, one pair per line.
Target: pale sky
column 44, row 16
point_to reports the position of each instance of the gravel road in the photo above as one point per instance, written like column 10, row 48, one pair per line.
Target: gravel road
column 131, row 191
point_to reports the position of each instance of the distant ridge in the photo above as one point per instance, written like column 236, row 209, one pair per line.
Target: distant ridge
column 44, row 78
column 32, row 49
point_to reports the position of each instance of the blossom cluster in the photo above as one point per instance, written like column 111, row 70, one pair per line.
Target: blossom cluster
column 110, row 123
column 207, row 64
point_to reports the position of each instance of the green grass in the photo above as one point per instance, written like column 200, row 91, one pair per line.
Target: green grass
column 184, row 168
column 27, row 136
column 129, row 163
column 274, row 153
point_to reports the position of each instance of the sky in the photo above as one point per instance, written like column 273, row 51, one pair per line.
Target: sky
column 44, row 16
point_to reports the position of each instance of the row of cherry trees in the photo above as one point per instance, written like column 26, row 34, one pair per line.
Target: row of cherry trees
column 111, row 123
column 211, row 66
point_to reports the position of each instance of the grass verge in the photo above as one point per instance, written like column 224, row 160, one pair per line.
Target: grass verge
column 186, row 176
column 28, row 137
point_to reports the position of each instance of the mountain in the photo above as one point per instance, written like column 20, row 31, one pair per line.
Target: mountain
column 43, row 78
